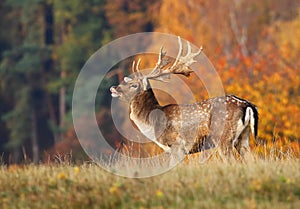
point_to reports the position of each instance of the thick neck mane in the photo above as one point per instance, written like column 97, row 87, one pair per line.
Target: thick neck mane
column 142, row 104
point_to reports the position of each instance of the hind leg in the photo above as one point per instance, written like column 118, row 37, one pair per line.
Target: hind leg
column 242, row 144
column 225, row 145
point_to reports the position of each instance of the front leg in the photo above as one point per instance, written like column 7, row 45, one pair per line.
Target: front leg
column 178, row 151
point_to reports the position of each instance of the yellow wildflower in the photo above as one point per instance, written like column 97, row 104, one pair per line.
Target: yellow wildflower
column 61, row 175
column 113, row 190
column 76, row 169
column 159, row 193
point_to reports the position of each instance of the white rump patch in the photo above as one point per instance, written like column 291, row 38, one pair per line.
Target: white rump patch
column 249, row 117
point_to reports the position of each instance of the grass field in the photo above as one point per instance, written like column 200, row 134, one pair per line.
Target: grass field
column 214, row 184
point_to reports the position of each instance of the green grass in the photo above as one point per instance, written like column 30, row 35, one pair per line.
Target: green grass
column 256, row 184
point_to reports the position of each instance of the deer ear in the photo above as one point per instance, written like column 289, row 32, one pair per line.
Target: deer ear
column 127, row 79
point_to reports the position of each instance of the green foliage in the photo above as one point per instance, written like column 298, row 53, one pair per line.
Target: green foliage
column 79, row 33
column 22, row 72
column 19, row 132
column 32, row 63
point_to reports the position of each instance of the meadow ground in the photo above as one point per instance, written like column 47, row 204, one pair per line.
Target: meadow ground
column 214, row 184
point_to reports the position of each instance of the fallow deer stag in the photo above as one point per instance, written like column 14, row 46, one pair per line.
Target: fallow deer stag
column 225, row 121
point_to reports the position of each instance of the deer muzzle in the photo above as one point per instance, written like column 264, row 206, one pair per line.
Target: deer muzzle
column 114, row 91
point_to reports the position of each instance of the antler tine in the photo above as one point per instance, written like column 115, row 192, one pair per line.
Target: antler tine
column 189, row 48
column 182, row 63
column 133, row 67
column 161, row 63
column 179, row 52
column 137, row 65
column 137, row 69
column 188, row 59
column 160, row 56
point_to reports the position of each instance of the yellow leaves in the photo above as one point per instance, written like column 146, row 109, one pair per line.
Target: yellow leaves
column 275, row 78
column 247, row 61
column 275, row 91
column 288, row 40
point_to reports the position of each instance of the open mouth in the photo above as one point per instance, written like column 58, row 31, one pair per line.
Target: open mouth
column 114, row 92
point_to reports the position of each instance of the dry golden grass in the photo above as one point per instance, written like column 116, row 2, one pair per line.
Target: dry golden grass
column 258, row 183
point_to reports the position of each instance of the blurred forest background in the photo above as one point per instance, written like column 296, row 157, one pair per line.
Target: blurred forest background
column 254, row 45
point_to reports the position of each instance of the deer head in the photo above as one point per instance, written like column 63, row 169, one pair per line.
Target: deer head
column 131, row 86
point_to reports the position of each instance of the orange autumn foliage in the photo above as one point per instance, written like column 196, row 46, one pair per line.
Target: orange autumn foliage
column 267, row 75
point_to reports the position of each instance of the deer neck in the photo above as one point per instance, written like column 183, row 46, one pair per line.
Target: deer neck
column 141, row 106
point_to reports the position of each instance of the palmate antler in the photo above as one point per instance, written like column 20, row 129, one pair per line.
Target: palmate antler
column 180, row 66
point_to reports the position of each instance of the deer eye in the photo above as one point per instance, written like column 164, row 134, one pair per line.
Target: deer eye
column 133, row 86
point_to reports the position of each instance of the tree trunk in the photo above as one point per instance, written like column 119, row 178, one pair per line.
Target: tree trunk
column 53, row 116
column 34, row 137
column 49, row 40
column 240, row 33
column 63, row 89
column 62, row 102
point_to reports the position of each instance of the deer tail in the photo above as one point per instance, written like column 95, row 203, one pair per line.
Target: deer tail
column 251, row 115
